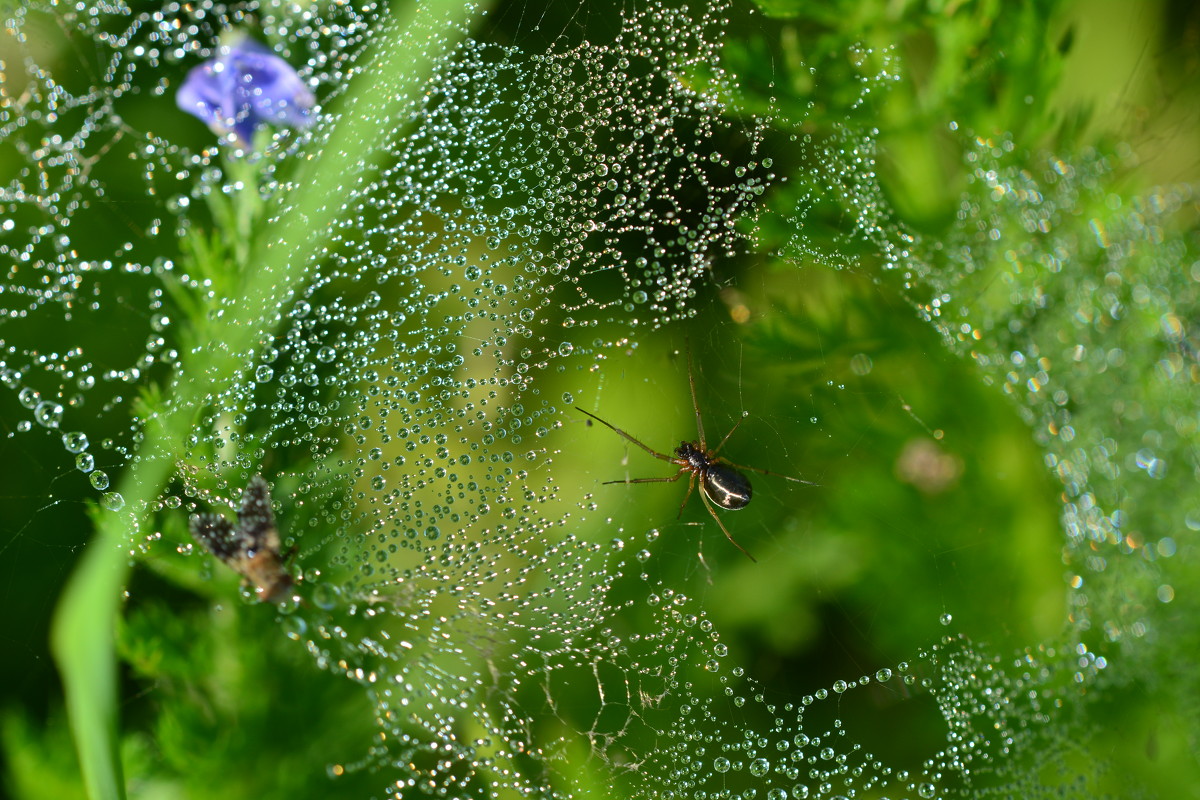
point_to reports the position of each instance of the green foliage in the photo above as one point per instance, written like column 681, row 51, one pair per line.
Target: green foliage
column 933, row 494
column 40, row 759
column 268, row 272
column 234, row 704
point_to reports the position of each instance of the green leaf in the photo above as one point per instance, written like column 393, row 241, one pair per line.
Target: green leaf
column 82, row 638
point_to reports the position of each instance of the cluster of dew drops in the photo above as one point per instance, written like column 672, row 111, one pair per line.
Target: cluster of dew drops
column 515, row 229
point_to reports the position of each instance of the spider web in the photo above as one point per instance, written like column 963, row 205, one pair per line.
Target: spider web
column 534, row 232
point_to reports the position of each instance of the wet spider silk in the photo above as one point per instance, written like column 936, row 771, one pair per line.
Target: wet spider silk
column 512, row 235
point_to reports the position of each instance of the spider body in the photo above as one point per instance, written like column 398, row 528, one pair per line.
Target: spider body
column 721, row 481
column 726, row 487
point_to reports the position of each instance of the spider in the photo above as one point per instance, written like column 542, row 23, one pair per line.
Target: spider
column 720, row 479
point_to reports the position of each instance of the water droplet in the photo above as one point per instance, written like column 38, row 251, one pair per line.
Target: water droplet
column 113, row 501
column 325, row 596
column 75, row 442
column 294, row 627
column 48, row 414
column 721, row 764
column 99, row 480
column 264, row 373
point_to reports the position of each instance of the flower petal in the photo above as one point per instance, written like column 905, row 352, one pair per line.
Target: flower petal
column 244, row 86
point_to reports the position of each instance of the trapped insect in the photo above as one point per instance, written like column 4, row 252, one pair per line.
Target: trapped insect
column 250, row 548
column 720, row 479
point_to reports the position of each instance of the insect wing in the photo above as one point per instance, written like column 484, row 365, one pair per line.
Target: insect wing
column 256, row 520
column 251, row 547
column 217, row 535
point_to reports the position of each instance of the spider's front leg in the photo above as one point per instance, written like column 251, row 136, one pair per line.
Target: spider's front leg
column 671, row 479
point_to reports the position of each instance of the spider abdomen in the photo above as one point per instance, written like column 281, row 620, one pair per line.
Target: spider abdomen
column 725, row 486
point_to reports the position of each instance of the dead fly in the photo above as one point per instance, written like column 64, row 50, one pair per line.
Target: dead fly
column 250, row 548
column 720, row 481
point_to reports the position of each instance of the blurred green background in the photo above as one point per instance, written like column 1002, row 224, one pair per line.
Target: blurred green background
column 933, row 498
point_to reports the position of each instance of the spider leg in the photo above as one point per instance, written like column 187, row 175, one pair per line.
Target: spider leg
column 671, row 479
column 695, row 402
column 626, row 436
column 766, row 472
column 713, row 454
column 725, row 530
column 703, row 560
column 688, row 496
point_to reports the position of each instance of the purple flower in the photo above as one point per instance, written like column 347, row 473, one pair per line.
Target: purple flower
column 242, row 87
